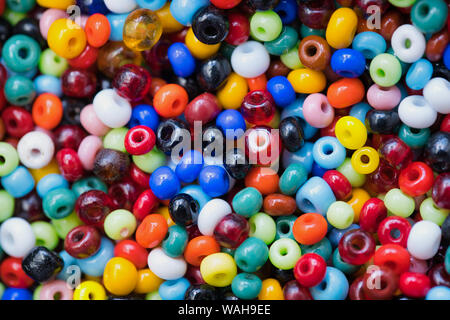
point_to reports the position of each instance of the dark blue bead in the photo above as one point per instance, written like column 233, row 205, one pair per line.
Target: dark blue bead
column 92, row 6
column 287, row 10
column 318, row 170
column 281, row 90
column 164, row 183
column 446, row 57
column 17, row 294
column 214, row 180
column 231, row 120
column 189, row 167
column 144, row 115
column 335, row 234
column 181, row 59
column 348, row 63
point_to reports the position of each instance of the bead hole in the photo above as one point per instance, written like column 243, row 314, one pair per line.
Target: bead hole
column 72, row 42
column 138, row 137
column 304, row 268
column 166, row 133
column 261, row 30
column 381, row 73
column 61, row 209
column 327, row 149
column 311, row 51
column 324, row 107
column 35, row 152
column 284, row 228
column 424, row 10
column 413, row 175
column 283, row 251
column 395, row 233
column 408, row 43
column 78, row 236
column 57, row 296
column 2, row 160
column 210, row 31
column 365, row 159
column 23, row 53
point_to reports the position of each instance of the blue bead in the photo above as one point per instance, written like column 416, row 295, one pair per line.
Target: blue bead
column 369, row 43
column 92, row 6
column 329, row 153
column 181, row 59
column 303, row 156
column 446, row 56
column 281, row 90
column 438, row 293
column 333, row 287
column 17, row 294
column 322, row 248
column 151, row 4
column 317, row 171
column 94, row 265
column 214, row 180
column 287, row 10
column 359, row 111
column 295, row 109
column 18, row 183
column 145, row 115
column 335, row 234
column 419, row 74
column 47, row 83
column 174, row 289
column 196, row 192
column 68, row 262
column 348, row 63
column 231, row 120
column 116, row 21
column 343, row 266
column 164, row 183
column 184, row 10
column 51, row 182
column 189, row 167
column 315, row 196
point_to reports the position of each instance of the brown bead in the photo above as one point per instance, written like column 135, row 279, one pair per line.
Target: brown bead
column 279, row 205
column 2, row 129
column 314, row 52
column 115, row 54
column 111, row 165
column 156, row 84
column 380, row 284
column 390, row 21
column 277, row 68
column 436, row 46
column 363, row 26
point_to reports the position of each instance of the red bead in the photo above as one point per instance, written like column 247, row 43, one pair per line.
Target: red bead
column 124, row 194
column 132, row 82
column 330, row 129
column 69, row 136
column 371, row 214
column 225, row 4
column 194, row 275
column 3, row 75
column 157, row 58
column 232, row 230
column 78, row 83
column 397, row 153
column 12, row 274
column 193, row 231
column 17, row 121
column 394, row 230
column 310, row 270
column 364, row 5
column 82, row 242
column 356, row 291
column 340, row 185
column 414, row 285
column 383, row 179
column 394, row 257
column 93, row 206
column 439, row 276
column 145, row 204
column 238, row 30
column 258, row 107
column 86, row 59
column 379, row 283
column 445, row 124
column 29, row 207
column 140, row 177
column 416, row 179
column 292, row 290
column 133, row 252
column 356, row 247
column 315, row 14
column 139, row 140
column 441, row 190
column 69, row 164
column 204, row 108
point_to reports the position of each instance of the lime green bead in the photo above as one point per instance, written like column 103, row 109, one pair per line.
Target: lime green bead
column 150, row 161
column 402, row 3
column 19, row 90
column 429, row 211
column 22, row 6
column 9, row 159
column 65, row 225
column 291, row 59
column 287, row 39
column 120, row 224
column 356, row 179
column 385, row 70
column 399, row 203
column 45, row 234
column 89, row 183
column 13, row 17
column 340, row 215
column 262, row 226
column 247, row 202
column 6, row 205
column 265, row 25
column 153, row 296
column 115, row 139
column 52, row 64
column 284, row 253
column 2, row 289
column 37, row 292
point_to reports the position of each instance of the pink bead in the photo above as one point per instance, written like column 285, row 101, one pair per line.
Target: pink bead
column 55, row 290
column 384, row 98
column 418, row 266
column 88, row 149
column 317, row 110
column 81, row 20
column 91, row 123
column 48, row 17
column 47, row 132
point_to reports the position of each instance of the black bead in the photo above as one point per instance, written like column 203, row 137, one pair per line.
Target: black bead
column 169, row 134
column 5, row 29
column 30, row 27
column 283, row 276
column 261, row 5
column 446, row 229
column 183, row 208
column 92, row 6
column 213, row 72
column 440, row 70
column 29, row 207
column 291, row 133
column 201, row 292
column 128, row 297
column 437, row 152
column 210, row 25
column 190, row 84
column 236, row 163
column 383, row 121
column 41, row 264
column 72, row 109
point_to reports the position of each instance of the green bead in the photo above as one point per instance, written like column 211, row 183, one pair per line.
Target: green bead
column 251, row 255
column 9, row 159
column 2, row 289
column 385, row 70
column 284, row 253
column 150, row 161
column 291, row 59
column 21, row 6
column 429, row 211
column 13, row 17
column 65, row 225
column 356, row 179
column 247, row 202
column 21, row 53
column 115, row 139
column 45, row 234
column 343, row 266
column 7, row 205
column 415, row 138
column 120, row 224
column 287, row 39
column 399, row 203
column 153, row 296
column 37, row 292
column 340, row 215
column 306, row 31
column 402, row 3
column 175, row 241
column 284, row 227
column 226, row 50
column 59, row 203
column 429, row 16
column 89, row 183
column 246, row 286
column 262, row 227
column 322, row 248
column 19, row 90
column 265, row 25
column 293, row 178
column 52, row 64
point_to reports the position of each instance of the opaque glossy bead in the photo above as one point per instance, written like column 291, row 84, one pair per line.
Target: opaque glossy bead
column 424, row 239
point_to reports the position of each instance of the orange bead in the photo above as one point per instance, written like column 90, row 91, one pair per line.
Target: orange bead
column 264, row 179
column 47, row 111
column 359, row 198
column 309, row 228
column 258, row 83
column 170, row 100
column 200, row 247
column 271, row 290
column 151, row 231
column 345, row 92
column 97, row 30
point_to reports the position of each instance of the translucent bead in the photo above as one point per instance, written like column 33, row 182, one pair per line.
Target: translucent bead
column 142, row 30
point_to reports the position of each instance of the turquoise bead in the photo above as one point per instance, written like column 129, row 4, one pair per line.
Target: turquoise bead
column 429, row 16
column 89, row 183
column 247, row 202
column 251, row 255
column 415, row 138
column 341, row 265
column 19, row 90
column 286, row 40
column 447, row 260
column 306, row 31
column 284, row 227
column 59, row 203
column 175, row 241
column 322, row 248
column 21, row 53
column 246, row 286
column 293, row 178
column 22, row 6
column 230, row 251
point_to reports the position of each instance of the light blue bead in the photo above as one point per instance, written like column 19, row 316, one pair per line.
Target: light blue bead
column 303, row 156
column 322, row 248
column 246, row 286
column 343, row 266
column 335, row 234
column 47, row 83
column 438, row 293
column 151, row 4
column 333, row 287
column 184, row 10
column 116, row 21
column 94, row 265
column 18, row 183
column 359, row 111
column 295, row 109
column 196, row 192
column 174, row 289
column 315, row 196
column 369, row 43
column 51, row 182
column 68, row 262
column 419, row 74
column 329, row 153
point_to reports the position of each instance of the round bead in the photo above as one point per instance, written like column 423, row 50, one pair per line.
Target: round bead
column 408, row 43
column 250, row 59
column 424, row 239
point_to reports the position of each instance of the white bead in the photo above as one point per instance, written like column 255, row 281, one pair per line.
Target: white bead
column 416, row 112
column 17, row 237
column 113, row 110
column 250, row 59
column 120, row 6
column 404, row 34
column 424, row 240
column 211, row 214
column 437, row 93
column 166, row 267
column 35, row 149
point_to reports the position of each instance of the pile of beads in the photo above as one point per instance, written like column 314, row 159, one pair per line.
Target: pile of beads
column 315, row 158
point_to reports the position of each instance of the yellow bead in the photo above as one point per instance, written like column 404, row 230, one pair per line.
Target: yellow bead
column 164, row 211
column 169, row 23
column 38, row 174
column 271, row 290
column 142, row 29
column 120, row 276
column 351, row 132
column 147, row 281
column 57, row 4
column 341, row 28
column 199, row 49
column 218, row 269
column 233, row 92
column 305, row 80
column 89, row 290
column 359, row 197
column 66, row 38
column 365, row 160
